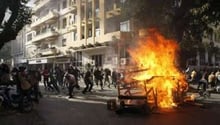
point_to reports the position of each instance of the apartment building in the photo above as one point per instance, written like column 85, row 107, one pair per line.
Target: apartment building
column 211, row 56
column 18, row 49
column 74, row 31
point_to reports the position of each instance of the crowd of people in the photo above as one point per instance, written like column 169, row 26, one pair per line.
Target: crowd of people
column 57, row 79
column 204, row 78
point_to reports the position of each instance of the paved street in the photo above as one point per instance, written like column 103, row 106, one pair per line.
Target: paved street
column 90, row 109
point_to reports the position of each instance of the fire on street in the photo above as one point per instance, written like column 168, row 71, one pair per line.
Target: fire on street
column 57, row 111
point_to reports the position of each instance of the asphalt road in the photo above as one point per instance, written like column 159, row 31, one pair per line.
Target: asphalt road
column 61, row 111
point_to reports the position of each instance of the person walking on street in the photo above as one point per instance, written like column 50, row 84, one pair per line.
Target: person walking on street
column 88, row 82
column 114, row 78
column 203, row 81
column 96, row 76
column 53, row 81
column 59, row 75
column 211, row 79
column 76, row 74
column 107, row 76
column 71, row 83
column 100, row 77
column 45, row 78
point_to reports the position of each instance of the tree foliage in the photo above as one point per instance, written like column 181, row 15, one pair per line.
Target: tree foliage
column 186, row 21
column 19, row 15
column 180, row 19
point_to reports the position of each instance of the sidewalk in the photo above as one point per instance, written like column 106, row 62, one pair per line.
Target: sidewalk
column 112, row 93
column 96, row 94
column 214, row 98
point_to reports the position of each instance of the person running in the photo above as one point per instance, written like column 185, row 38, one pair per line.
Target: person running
column 107, row 76
column 59, row 75
column 88, row 82
column 70, row 79
column 76, row 73
column 211, row 79
column 45, row 78
column 53, row 81
column 114, row 78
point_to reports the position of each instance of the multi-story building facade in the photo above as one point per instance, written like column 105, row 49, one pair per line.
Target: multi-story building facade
column 210, row 56
column 18, row 49
column 74, row 31
column 81, row 32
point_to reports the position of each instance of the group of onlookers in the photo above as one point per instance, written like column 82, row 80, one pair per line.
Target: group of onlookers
column 57, row 78
column 205, row 78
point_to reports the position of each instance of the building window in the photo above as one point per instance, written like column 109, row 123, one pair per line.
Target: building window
column 63, row 42
column 90, row 33
column 72, row 19
column 64, row 23
column 97, row 60
column 97, row 12
column 77, row 59
column 29, row 37
column 97, row 32
column 125, row 26
column 90, row 14
column 74, row 36
column 64, row 4
column 72, row 2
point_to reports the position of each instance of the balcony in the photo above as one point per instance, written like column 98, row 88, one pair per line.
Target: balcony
column 40, row 5
column 48, row 51
column 116, row 11
column 108, row 36
column 73, row 6
column 71, row 27
column 83, row 21
column 48, row 35
column 50, row 17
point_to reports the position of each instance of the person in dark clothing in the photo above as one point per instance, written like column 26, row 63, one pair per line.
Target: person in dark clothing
column 88, row 82
column 33, row 78
column 98, row 77
column 45, row 77
column 107, row 75
column 53, row 81
column 38, row 77
column 59, row 75
column 76, row 73
column 203, row 81
column 15, row 79
column 114, row 78
column 71, row 83
column 26, row 86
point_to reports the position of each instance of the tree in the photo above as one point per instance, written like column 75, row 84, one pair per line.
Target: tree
column 186, row 21
column 19, row 15
column 179, row 19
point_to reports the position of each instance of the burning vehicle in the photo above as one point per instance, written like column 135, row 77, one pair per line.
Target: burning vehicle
column 154, row 81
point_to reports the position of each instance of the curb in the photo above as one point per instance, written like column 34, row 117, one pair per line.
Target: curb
column 207, row 101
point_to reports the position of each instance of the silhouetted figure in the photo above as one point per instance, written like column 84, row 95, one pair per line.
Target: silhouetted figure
column 88, row 82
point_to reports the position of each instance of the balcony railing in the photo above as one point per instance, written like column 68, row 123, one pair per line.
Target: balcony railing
column 41, row 4
column 71, row 27
column 50, row 16
column 48, row 51
column 72, row 6
column 46, row 35
column 116, row 10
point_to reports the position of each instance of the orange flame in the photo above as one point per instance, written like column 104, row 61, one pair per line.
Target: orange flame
column 158, row 55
